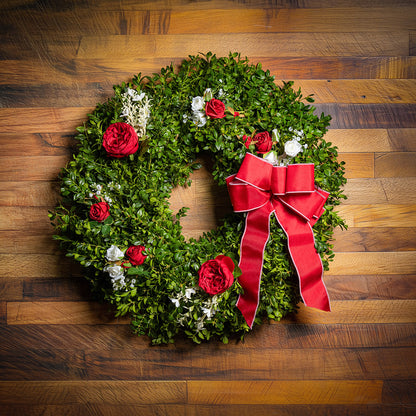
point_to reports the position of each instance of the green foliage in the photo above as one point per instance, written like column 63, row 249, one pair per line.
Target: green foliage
column 140, row 212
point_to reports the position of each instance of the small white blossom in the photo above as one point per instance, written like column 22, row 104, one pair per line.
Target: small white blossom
column 208, row 94
column 175, row 302
column 189, row 293
column 114, row 253
column 220, row 93
column 275, row 135
column 293, row 147
column 208, row 312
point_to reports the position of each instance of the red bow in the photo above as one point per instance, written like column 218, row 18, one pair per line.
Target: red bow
column 261, row 189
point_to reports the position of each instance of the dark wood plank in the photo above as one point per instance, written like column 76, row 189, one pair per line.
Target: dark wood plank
column 369, row 116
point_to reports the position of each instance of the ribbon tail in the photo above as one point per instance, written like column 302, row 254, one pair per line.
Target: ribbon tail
column 308, row 264
column 255, row 237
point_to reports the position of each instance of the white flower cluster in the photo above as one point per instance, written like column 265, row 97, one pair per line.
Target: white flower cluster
column 292, row 148
column 114, row 255
column 136, row 110
column 198, row 105
column 98, row 190
column 207, row 309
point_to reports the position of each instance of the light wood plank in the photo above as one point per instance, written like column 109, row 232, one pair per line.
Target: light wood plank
column 359, row 312
column 284, row 392
column 358, row 165
column 42, row 120
column 293, row 44
column 90, row 313
column 400, row 262
column 359, row 91
column 217, row 21
column 382, row 215
column 102, row 392
column 391, row 190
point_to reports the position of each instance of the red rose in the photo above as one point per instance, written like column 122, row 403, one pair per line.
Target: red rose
column 263, row 142
column 120, row 139
column 99, row 211
column 135, row 255
column 215, row 108
column 216, row 276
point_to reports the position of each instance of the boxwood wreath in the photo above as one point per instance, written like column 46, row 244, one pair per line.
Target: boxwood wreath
column 142, row 143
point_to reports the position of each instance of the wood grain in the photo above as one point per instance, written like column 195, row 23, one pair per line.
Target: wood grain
column 63, row 353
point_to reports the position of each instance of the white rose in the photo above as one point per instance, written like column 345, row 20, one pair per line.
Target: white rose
column 293, row 147
column 198, row 103
column 208, row 94
column 114, row 254
column 115, row 272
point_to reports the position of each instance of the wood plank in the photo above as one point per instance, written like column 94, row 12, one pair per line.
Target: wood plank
column 299, row 410
column 42, row 120
column 269, row 364
column 400, row 262
column 374, row 239
column 290, row 44
column 67, row 73
column 32, row 168
column 284, row 392
column 369, row 116
column 399, row 391
column 28, row 193
column 358, row 165
column 155, row 22
column 38, row 265
column 131, row 5
column 358, row 311
column 344, row 287
column 387, row 189
column 382, row 215
column 33, row 220
column 89, row 313
column 395, row 165
column 37, row 144
column 60, row 313
column 90, row 338
column 372, row 140
column 103, row 392
column 97, row 409
column 359, row 91
column 28, row 242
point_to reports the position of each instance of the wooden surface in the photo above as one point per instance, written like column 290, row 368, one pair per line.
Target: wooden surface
column 63, row 354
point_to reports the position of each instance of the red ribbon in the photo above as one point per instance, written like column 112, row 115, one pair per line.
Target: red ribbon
column 261, row 189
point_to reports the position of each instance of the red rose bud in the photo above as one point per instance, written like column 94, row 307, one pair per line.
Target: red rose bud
column 263, row 142
column 120, row 139
column 216, row 276
column 135, row 255
column 215, row 108
column 99, row 211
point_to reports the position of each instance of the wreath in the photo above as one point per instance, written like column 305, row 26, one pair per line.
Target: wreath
column 134, row 149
